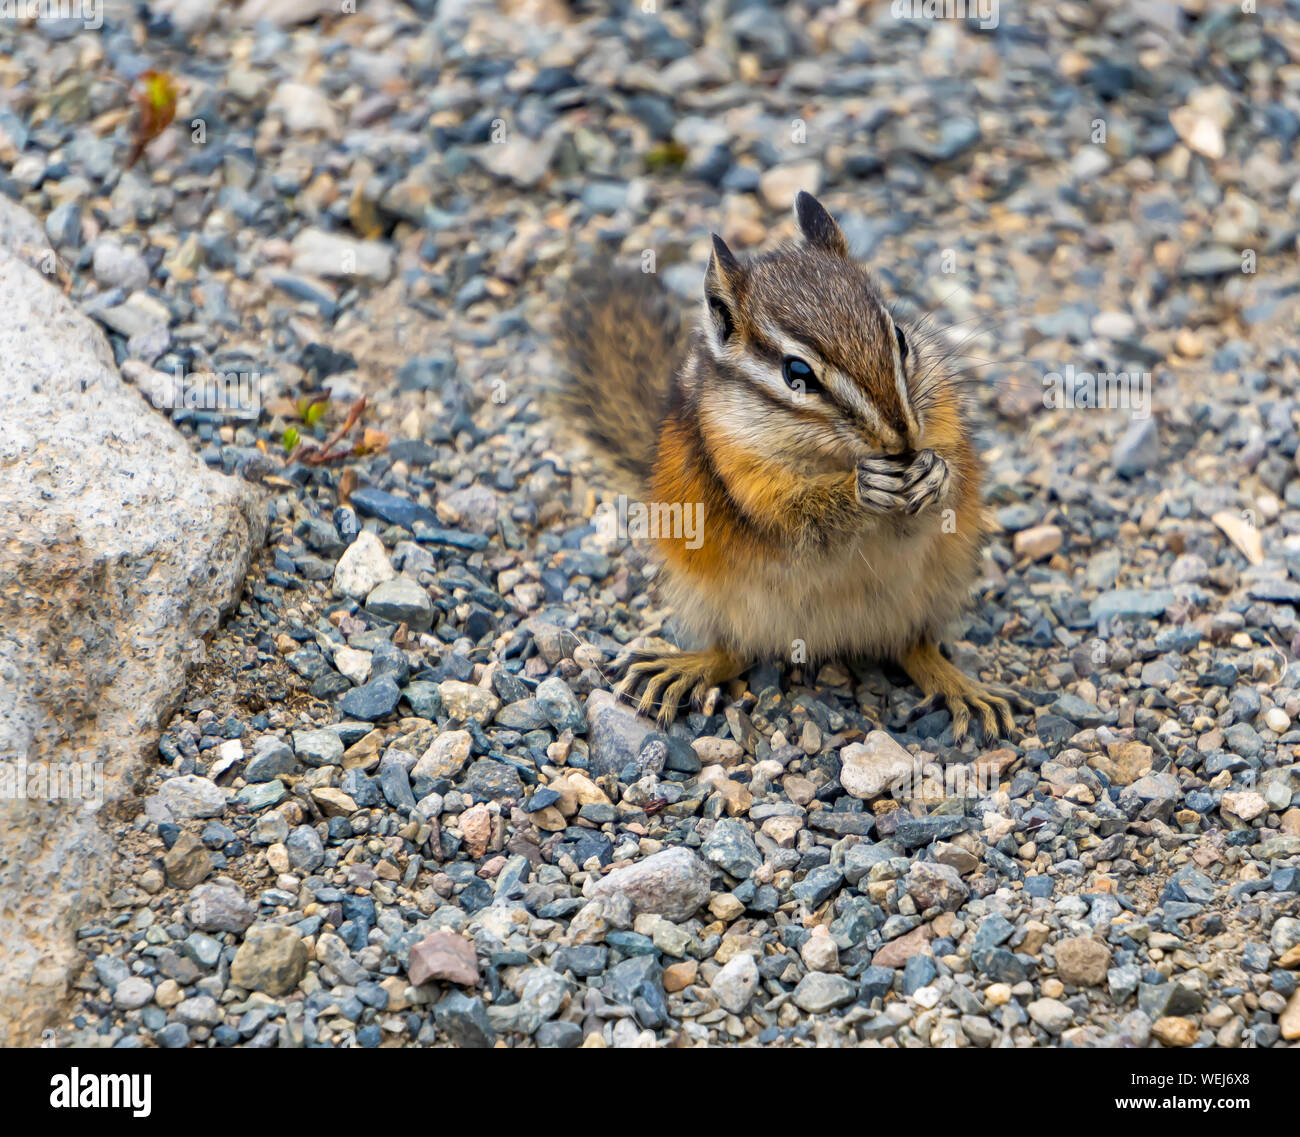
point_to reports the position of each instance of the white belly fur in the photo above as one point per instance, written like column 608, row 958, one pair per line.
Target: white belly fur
column 871, row 597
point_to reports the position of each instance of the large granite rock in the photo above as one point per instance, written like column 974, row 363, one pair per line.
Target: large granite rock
column 119, row 552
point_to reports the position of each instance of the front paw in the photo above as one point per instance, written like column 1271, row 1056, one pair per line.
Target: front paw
column 925, row 482
column 880, row 487
column 902, row 484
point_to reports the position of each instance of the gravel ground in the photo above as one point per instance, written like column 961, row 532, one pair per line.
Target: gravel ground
column 398, row 805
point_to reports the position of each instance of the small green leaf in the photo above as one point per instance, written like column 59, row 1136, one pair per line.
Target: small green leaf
column 290, row 439
column 315, row 412
column 668, row 156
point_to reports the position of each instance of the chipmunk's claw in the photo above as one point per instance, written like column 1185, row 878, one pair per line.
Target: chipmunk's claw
column 1012, row 697
column 965, row 698
column 994, row 715
column 670, row 679
column 926, row 706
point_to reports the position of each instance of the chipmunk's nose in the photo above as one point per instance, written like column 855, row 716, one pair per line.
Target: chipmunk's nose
column 906, row 436
column 896, row 438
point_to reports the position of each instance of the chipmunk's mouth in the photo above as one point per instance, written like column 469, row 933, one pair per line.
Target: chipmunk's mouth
column 891, row 440
column 874, row 448
column 902, row 459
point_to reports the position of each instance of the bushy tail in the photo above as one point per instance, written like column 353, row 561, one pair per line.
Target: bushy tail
column 621, row 339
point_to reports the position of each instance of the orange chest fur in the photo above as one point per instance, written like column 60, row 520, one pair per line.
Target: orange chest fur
column 729, row 540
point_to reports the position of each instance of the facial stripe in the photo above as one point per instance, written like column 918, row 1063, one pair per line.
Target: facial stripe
column 769, row 386
column 841, row 389
column 757, row 361
column 900, row 382
column 771, row 434
column 690, row 370
column 850, row 397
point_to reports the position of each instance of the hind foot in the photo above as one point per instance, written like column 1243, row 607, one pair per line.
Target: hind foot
column 942, row 682
column 667, row 679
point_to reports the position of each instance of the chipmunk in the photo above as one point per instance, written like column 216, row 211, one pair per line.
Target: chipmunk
column 829, row 449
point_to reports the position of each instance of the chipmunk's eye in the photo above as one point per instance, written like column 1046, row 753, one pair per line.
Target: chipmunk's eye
column 798, row 375
column 902, row 343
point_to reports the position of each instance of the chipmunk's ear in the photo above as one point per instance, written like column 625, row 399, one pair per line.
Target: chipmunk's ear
column 818, row 226
column 721, row 287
